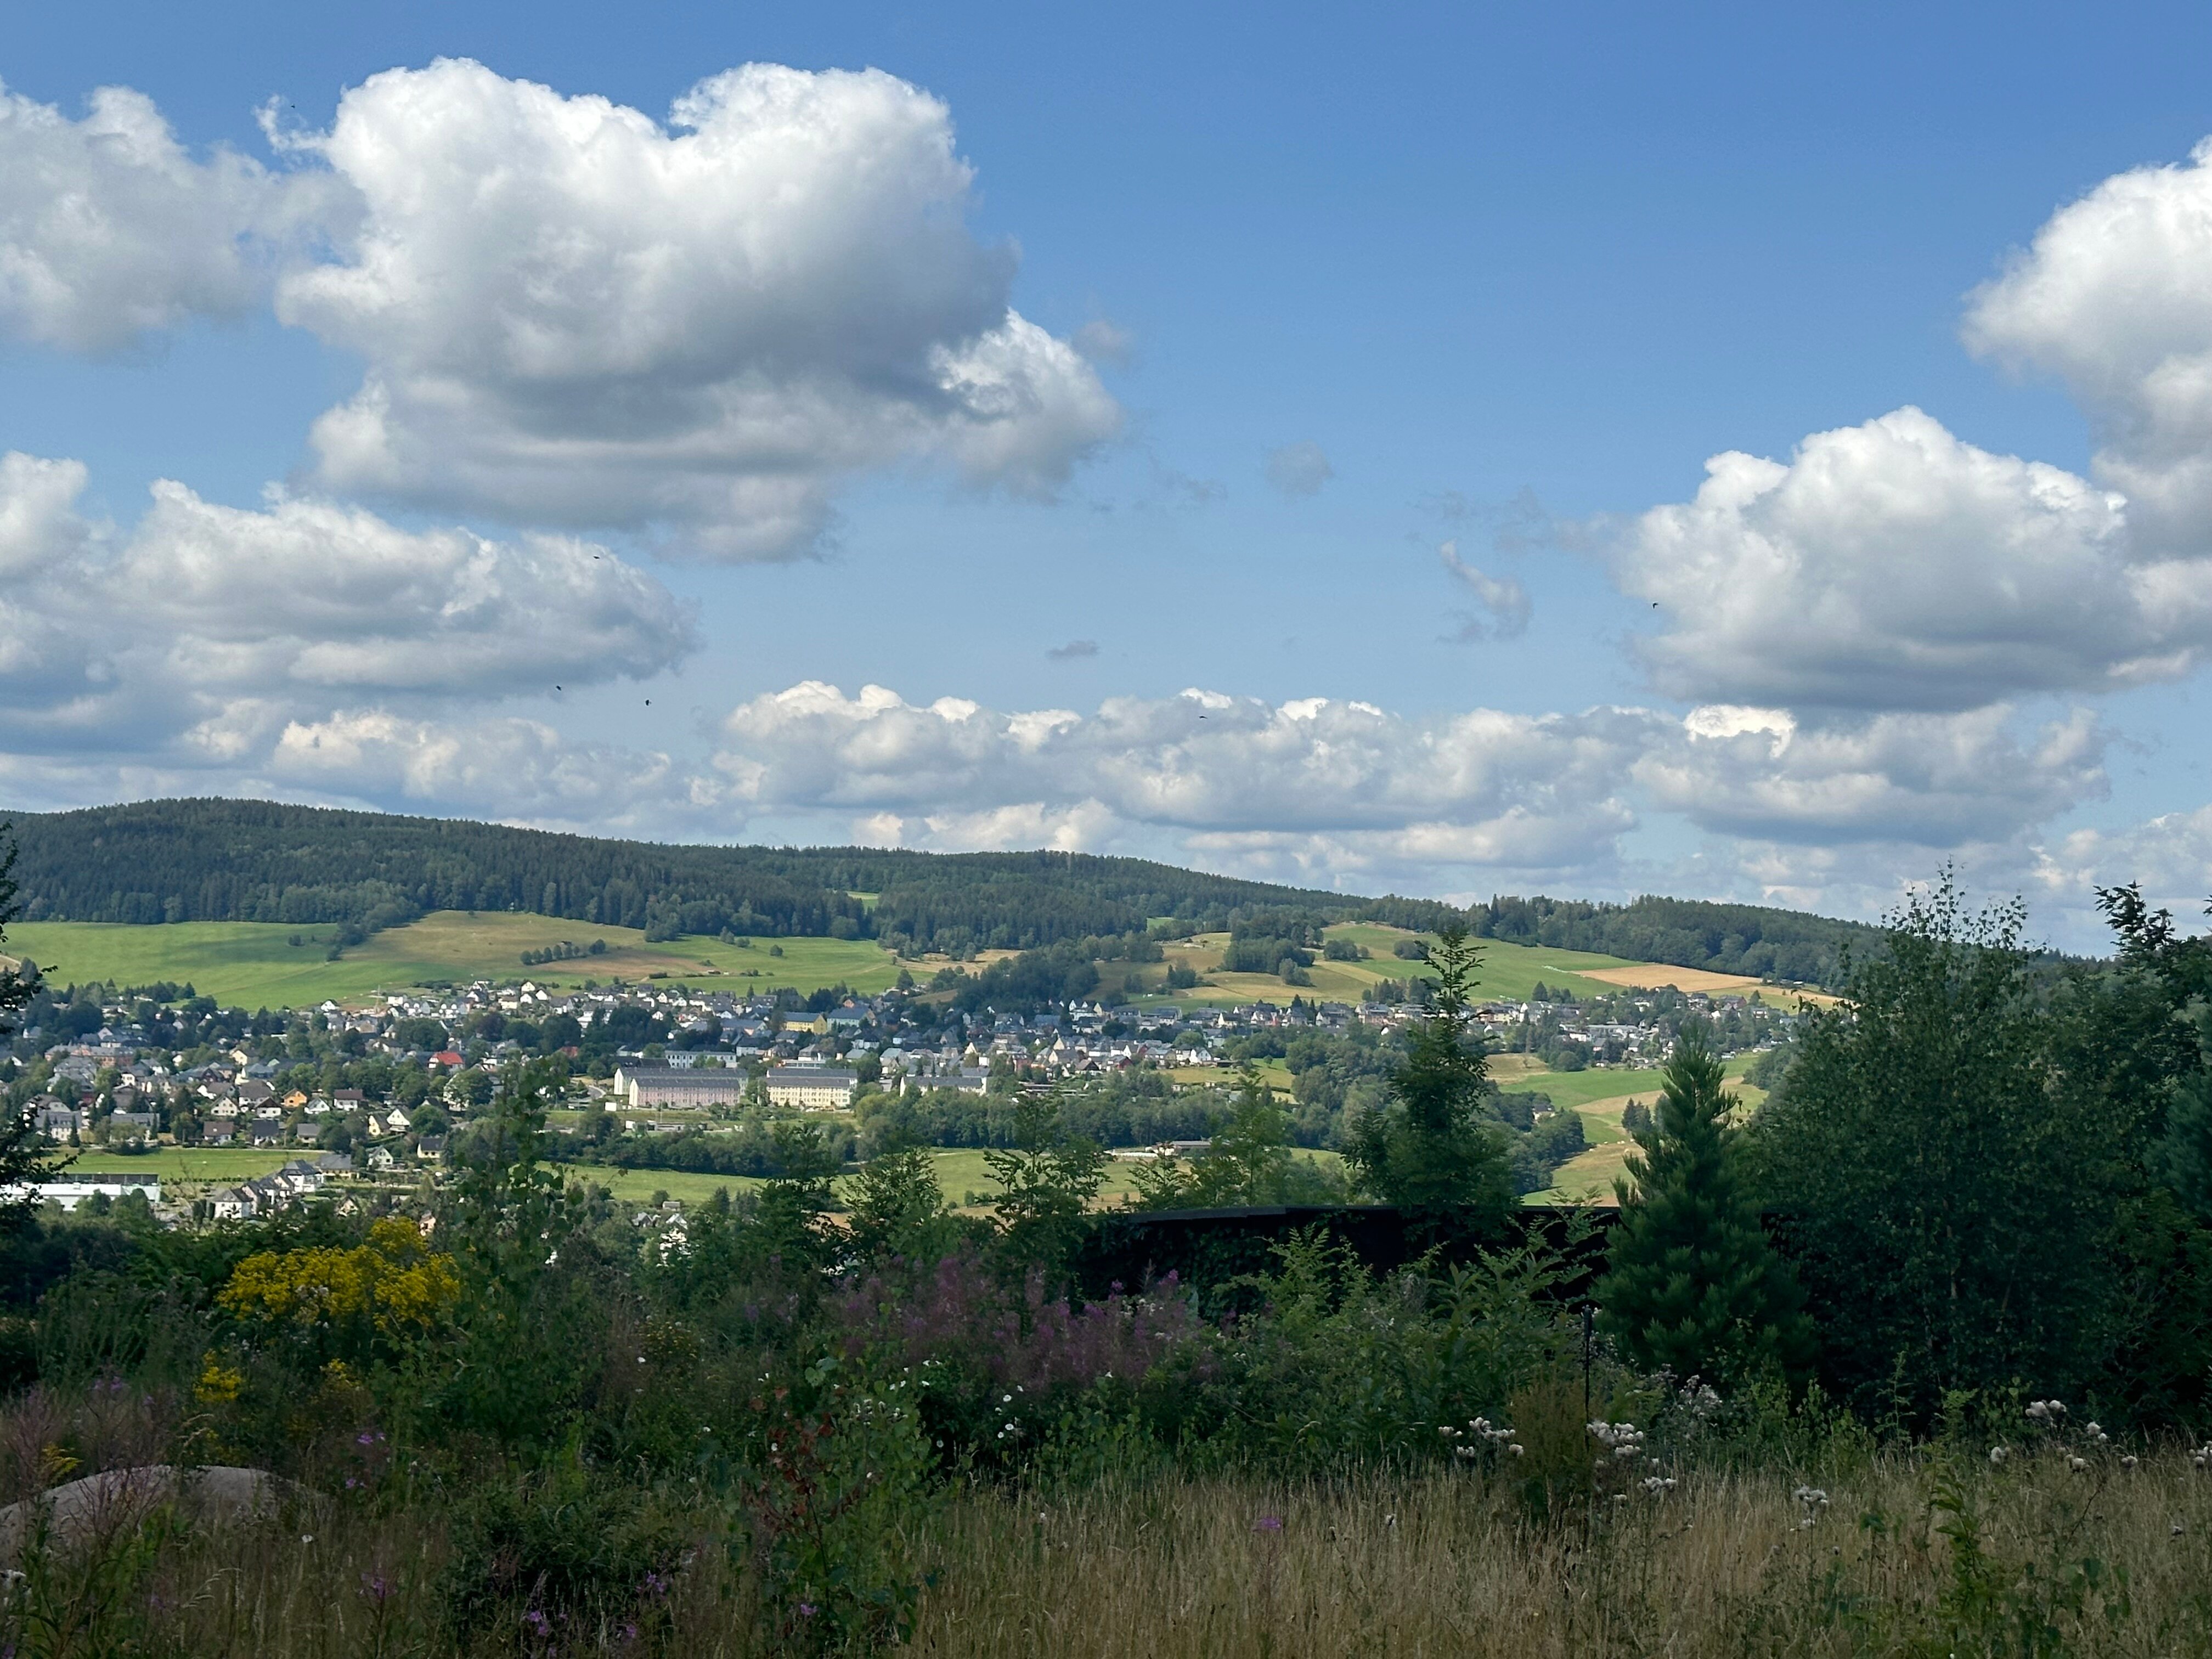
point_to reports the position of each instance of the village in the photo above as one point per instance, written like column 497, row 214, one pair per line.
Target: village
column 371, row 1093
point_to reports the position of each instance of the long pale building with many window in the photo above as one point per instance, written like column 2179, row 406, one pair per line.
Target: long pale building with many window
column 812, row 1088
column 692, row 1088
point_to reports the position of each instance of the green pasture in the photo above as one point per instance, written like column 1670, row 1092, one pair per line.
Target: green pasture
column 1275, row 1073
column 220, row 1166
column 271, row 965
column 256, row 965
column 1506, row 971
column 1589, row 1178
column 1579, row 1089
column 960, row 1171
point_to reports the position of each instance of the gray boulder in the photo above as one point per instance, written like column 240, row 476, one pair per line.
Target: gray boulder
column 119, row 1501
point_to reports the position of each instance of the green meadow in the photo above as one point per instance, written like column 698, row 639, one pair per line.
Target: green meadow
column 1507, row 971
column 1601, row 1098
column 960, row 1171
column 215, row 1165
column 269, row 965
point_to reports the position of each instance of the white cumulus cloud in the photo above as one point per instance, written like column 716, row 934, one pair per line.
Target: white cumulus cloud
column 1926, row 781
column 500, row 768
column 2114, row 296
column 572, row 313
column 1201, row 760
column 111, row 231
column 1893, row 566
column 2170, row 855
column 212, row 627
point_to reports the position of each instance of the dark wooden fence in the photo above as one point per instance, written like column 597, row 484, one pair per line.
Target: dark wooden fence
column 1208, row 1247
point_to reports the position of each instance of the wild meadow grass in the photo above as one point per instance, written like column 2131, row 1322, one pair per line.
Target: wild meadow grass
column 1935, row 1551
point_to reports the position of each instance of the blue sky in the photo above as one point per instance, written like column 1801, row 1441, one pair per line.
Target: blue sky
column 1363, row 367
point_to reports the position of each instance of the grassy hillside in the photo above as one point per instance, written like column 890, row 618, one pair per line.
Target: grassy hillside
column 1507, row 971
column 256, row 964
column 1591, row 1176
column 269, row 964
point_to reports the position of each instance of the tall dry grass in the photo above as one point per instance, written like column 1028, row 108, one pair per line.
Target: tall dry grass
column 1158, row 1568
column 1724, row 1565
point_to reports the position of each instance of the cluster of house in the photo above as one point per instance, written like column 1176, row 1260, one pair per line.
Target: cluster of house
column 725, row 1050
column 265, row 1194
column 235, row 1102
column 718, row 1040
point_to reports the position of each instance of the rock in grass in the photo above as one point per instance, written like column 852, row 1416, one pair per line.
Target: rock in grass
column 119, row 1501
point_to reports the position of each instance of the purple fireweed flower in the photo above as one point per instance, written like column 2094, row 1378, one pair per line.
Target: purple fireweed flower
column 806, row 1610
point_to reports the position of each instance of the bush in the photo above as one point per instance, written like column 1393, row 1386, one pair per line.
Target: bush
column 839, row 1459
column 570, row 1556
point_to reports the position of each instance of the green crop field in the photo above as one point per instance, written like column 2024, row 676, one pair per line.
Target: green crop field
column 256, row 964
column 1579, row 1089
column 1510, row 971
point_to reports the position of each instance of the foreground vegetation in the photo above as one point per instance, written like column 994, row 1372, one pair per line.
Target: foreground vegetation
column 1935, row 1553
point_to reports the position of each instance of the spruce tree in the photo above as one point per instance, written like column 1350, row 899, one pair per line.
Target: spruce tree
column 1692, row 1283
column 1435, row 1152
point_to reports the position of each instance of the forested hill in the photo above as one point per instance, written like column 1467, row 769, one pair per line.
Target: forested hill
column 1727, row 939
column 234, row 860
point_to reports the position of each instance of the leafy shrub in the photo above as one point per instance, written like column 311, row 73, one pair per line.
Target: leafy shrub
column 1338, row 1364
column 557, row 1560
column 346, row 1303
column 840, row 1463
column 989, row 1364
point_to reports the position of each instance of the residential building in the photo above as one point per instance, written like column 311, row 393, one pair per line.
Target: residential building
column 812, row 1088
column 695, row 1088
